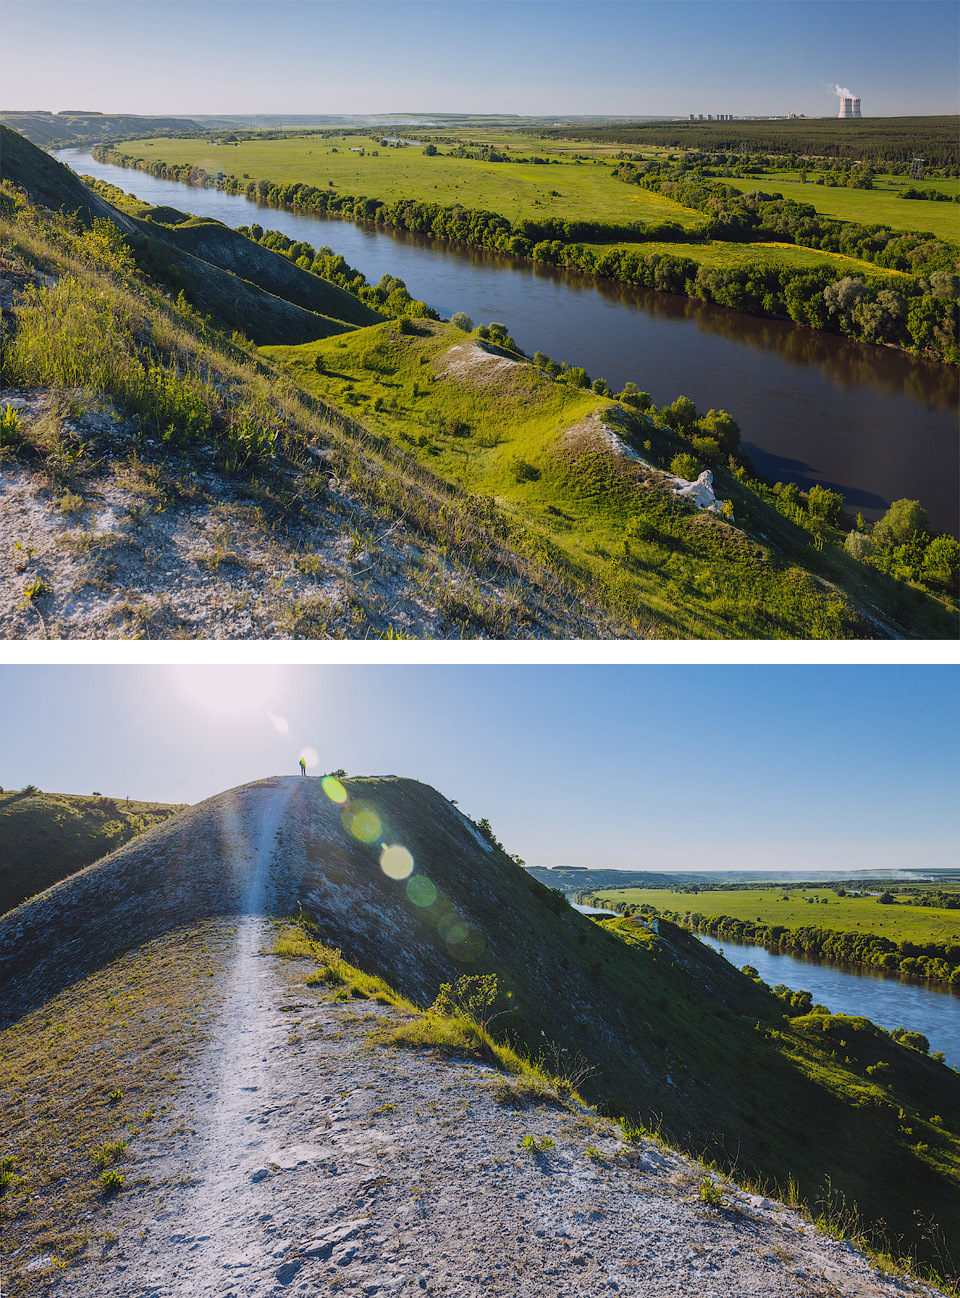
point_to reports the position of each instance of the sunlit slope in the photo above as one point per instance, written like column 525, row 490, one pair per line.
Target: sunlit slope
column 243, row 286
column 44, row 837
column 669, row 1032
column 590, row 476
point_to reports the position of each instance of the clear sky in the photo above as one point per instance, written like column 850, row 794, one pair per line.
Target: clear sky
column 541, row 57
column 643, row 767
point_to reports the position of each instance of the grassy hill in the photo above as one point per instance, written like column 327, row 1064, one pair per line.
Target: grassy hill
column 591, row 475
column 660, row 1029
column 44, row 837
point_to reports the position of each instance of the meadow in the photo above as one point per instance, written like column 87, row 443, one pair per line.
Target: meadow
column 881, row 205
column 794, row 908
column 584, row 190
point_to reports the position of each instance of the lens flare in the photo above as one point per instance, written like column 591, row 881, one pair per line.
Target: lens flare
column 310, row 757
column 280, row 724
column 333, row 788
column 421, row 891
column 396, row 862
column 361, row 820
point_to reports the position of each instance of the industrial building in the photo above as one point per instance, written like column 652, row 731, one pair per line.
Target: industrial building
column 849, row 108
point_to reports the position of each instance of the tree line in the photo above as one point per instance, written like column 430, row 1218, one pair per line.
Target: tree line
column 897, row 139
column 936, row 961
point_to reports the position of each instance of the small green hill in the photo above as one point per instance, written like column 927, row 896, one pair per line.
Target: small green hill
column 60, row 130
column 44, row 837
column 595, row 479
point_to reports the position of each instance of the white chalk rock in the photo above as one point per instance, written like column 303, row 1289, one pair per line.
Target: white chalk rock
column 700, row 492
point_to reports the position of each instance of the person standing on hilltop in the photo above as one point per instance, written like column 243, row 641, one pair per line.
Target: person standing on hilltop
column 303, row 767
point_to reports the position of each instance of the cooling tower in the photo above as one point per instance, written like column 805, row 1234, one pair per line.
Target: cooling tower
column 849, row 108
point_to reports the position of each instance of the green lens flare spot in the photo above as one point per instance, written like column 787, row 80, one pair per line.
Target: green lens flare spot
column 361, row 820
column 396, row 862
column 333, row 788
column 421, row 891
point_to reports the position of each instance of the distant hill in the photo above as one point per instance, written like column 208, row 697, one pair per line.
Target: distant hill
column 60, row 130
column 45, row 837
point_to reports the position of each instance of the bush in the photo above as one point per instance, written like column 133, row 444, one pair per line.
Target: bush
column 902, row 521
column 460, row 320
column 723, row 428
column 9, row 426
column 685, row 466
column 941, row 562
column 825, row 504
column 859, row 545
column 707, row 448
column 915, row 1040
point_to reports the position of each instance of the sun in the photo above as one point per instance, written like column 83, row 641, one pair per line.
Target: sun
column 229, row 691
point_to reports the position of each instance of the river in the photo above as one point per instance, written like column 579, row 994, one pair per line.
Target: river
column 891, row 1002
column 871, row 422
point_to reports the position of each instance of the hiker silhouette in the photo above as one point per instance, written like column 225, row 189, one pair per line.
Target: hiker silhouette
column 303, row 767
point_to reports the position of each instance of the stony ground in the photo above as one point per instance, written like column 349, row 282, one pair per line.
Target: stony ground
column 110, row 543
column 304, row 1157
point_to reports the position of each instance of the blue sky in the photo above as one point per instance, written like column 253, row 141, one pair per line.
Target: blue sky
column 369, row 56
column 639, row 767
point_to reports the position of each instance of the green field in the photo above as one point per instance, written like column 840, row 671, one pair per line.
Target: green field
column 585, row 191
column 878, row 206
column 716, row 254
column 793, row 909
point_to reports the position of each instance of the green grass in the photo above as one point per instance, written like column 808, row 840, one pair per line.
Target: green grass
column 878, row 206
column 587, row 191
column 691, row 574
column 46, row 836
column 767, row 906
column 717, row 254
column 130, row 1027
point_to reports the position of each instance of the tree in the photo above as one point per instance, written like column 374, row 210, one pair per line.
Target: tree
column 722, row 427
column 430, row 151
column 902, row 521
column 460, row 320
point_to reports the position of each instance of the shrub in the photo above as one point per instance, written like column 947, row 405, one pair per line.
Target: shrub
column 859, row 545
column 706, row 448
column 460, row 320
column 941, row 562
column 685, row 466
column 111, row 1182
column 902, row 521
column 825, row 504
column 722, row 427
column 711, row 1192
column 405, row 325
column 681, row 416
column 915, row 1040
column 9, row 426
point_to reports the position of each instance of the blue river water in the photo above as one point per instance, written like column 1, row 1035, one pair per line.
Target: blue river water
column 891, row 1002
